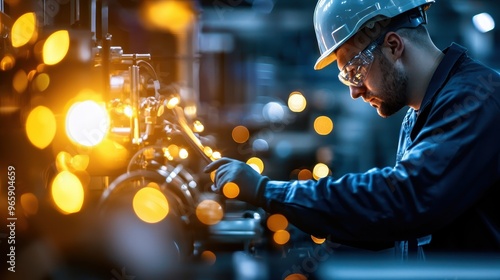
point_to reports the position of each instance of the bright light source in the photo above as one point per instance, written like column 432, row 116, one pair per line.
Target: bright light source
column 230, row 190
column 209, row 212
column 198, row 126
column 296, row 102
column 67, row 192
column 150, row 205
column 87, row 123
column 323, row 125
column 320, row 170
column 273, row 111
column 173, row 16
column 183, row 153
column 277, row 222
column 41, row 127
column 55, row 47
column 29, row 202
column 256, row 163
column 304, row 174
column 208, row 257
column 281, row 237
column 318, row 240
column 483, row 22
column 240, row 134
column 24, row 30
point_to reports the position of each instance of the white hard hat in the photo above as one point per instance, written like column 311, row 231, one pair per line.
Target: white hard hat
column 335, row 21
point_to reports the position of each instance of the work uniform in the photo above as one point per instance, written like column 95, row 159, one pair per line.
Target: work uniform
column 444, row 189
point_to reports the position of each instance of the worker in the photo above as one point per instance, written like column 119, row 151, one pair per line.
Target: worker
column 443, row 193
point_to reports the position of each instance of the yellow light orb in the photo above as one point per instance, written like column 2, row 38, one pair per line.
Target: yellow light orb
column 24, row 30
column 297, row 102
column 216, row 155
column 317, row 240
column 231, row 190
column 183, row 153
column 281, row 237
column 7, row 62
column 240, row 134
column 56, row 47
column 87, row 123
column 150, row 205
column 41, row 82
column 323, row 125
column 41, row 127
column 320, row 170
column 209, row 212
column 208, row 257
column 256, row 163
column 277, row 222
column 20, row 81
column 198, row 126
column 29, row 202
column 67, row 192
column 305, row 174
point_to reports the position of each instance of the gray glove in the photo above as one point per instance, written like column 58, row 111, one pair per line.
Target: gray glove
column 249, row 181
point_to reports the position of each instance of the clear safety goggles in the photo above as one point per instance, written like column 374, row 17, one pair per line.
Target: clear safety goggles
column 355, row 71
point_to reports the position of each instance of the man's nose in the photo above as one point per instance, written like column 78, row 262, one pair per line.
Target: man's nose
column 356, row 92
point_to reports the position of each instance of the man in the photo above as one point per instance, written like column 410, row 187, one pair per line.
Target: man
column 444, row 189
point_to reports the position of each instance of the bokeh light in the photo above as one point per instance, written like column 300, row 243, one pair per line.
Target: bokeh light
column 231, row 190
column 305, row 174
column 216, row 155
column 281, row 237
column 172, row 16
column 277, row 222
column 7, row 62
column 56, row 47
column 320, row 170
column 317, row 240
column 80, row 162
column 208, row 151
column 208, row 257
column 41, row 82
column 198, row 126
column 67, row 192
column 87, row 123
column 240, row 134
column 172, row 102
column 296, row 102
column 20, row 81
column 41, row 127
column 29, row 202
column 256, row 163
column 209, row 212
column 150, row 205
column 295, row 276
column 24, row 30
column 323, row 125
column 183, row 153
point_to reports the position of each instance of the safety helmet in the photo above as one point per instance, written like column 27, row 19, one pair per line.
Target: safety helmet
column 335, row 21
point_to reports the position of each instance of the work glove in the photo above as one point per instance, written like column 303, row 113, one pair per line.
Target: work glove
column 251, row 184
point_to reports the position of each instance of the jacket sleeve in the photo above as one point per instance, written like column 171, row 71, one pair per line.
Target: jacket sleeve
column 452, row 161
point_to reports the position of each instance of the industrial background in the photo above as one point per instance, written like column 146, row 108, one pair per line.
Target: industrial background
column 109, row 110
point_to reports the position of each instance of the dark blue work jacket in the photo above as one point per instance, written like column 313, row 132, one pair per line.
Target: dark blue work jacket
column 445, row 184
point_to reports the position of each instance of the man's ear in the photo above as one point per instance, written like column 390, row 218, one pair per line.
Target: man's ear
column 395, row 44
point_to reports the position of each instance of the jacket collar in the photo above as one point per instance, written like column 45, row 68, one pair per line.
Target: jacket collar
column 453, row 54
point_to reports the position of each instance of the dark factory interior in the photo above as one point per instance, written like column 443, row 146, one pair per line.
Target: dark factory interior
column 111, row 109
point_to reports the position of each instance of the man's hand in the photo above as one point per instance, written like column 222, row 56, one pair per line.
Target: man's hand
column 251, row 184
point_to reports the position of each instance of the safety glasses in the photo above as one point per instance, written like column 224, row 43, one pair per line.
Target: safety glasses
column 355, row 71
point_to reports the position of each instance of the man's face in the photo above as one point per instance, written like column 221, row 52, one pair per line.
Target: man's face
column 385, row 84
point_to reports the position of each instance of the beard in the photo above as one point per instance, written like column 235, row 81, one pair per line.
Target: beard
column 395, row 83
